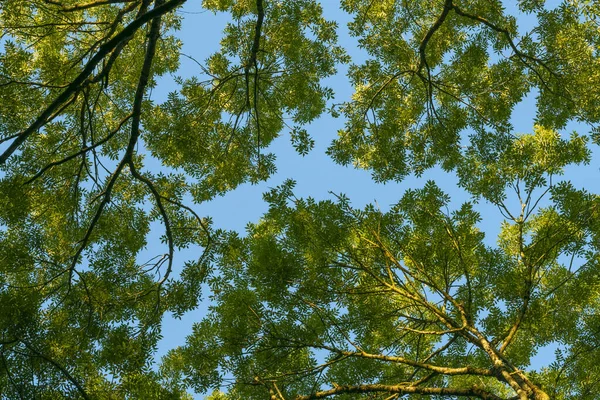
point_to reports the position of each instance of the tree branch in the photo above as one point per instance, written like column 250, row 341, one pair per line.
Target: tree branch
column 474, row 391
column 435, row 368
column 79, row 153
column 82, row 79
column 84, row 6
column 62, row 369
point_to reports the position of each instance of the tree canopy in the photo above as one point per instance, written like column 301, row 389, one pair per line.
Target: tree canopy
column 318, row 299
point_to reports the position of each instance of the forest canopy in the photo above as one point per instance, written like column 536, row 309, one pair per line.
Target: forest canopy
column 318, row 299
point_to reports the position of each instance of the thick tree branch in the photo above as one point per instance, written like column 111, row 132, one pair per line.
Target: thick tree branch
column 434, row 28
column 402, row 390
column 253, row 63
column 252, row 60
column 430, row 367
column 143, row 83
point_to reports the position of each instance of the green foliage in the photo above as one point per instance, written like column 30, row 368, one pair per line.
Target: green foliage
column 78, row 202
column 439, row 71
column 318, row 299
column 320, row 294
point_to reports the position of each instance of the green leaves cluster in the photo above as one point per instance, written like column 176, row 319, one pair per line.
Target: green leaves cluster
column 84, row 300
column 318, row 299
column 440, row 72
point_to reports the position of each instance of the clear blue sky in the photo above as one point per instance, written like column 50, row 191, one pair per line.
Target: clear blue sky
column 316, row 175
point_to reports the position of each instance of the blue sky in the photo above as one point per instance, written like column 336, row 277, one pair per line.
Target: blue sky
column 316, row 174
